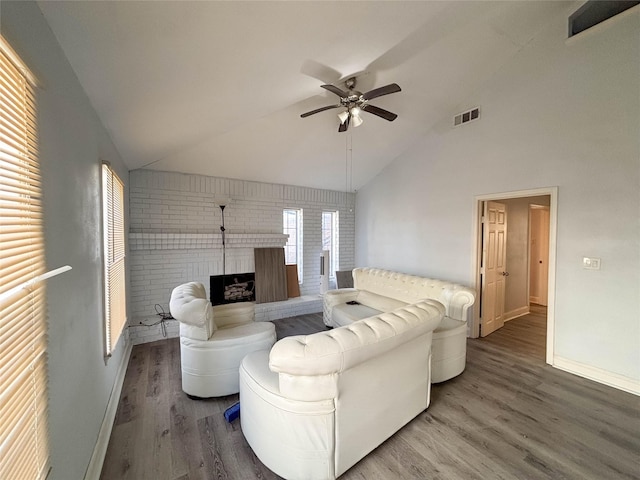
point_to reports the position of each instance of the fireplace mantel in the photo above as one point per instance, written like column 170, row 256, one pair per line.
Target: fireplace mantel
column 184, row 241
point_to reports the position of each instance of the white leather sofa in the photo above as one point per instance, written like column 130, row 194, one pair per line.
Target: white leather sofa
column 377, row 290
column 214, row 340
column 317, row 404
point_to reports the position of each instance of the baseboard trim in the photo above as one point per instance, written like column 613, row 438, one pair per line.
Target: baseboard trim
column 599, row 375
column 100, row 450
column 518, row 312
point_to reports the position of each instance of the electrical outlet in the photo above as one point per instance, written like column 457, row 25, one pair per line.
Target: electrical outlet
column 590, row 263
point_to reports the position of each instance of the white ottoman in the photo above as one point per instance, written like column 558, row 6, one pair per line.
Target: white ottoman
column 448, row 350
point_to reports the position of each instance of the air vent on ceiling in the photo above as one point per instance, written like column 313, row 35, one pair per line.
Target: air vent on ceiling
column 594, row 12
column 467, row 116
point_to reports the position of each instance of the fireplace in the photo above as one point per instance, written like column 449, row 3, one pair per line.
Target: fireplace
column 232, row 288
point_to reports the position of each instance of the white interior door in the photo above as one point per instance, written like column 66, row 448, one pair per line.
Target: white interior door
column 493, row 269
column 539, row 254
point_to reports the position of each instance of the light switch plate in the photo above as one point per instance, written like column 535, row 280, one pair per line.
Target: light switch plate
column 591, row 263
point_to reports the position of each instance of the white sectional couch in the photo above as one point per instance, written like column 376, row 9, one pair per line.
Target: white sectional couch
column 317, row 404
column 377, row 291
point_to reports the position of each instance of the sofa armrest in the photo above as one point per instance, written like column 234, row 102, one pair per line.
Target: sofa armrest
column 336, row 297
column 189, row 305
column 460, row 299
column 300, row 360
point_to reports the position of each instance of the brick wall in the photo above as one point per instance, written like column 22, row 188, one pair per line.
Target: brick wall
column 175, row 231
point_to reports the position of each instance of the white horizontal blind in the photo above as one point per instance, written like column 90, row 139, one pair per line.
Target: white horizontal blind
column 115, row 299
column 330, row 239
column 24, row 451
column 292, row 226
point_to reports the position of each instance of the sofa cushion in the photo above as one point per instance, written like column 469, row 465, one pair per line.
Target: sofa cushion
column 345, row 314
column 379, row 302
column 210, row 367
column 245, row 334
column 256, row 366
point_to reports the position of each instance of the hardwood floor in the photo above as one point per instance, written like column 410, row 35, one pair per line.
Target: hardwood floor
column 508, row 416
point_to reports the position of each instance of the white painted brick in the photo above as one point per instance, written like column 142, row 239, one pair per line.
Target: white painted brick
column 175, row 237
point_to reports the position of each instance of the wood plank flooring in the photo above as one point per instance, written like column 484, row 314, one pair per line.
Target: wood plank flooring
column 508, row 416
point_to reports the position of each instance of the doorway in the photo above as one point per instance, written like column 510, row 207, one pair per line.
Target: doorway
column 522, row 255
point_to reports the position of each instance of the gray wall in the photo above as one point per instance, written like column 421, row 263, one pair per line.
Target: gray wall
column 557, row 114
column 72, row 143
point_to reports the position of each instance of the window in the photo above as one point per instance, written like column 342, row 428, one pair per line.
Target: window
column 114, row 253
column 292, row 226
column 330, row 239
column 24, row 446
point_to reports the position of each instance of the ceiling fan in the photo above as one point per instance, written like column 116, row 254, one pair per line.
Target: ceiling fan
column 356, row 102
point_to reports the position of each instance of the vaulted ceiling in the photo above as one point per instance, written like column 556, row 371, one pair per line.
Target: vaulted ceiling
column 217, row 88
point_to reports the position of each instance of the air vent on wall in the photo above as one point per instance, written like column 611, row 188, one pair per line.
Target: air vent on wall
column 467, row 116
column 594, row 12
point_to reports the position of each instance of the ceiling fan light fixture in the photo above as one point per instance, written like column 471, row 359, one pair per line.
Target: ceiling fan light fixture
column 356, row 120
column 342, row 116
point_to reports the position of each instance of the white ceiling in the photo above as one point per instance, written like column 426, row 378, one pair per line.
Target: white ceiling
column 217, row 88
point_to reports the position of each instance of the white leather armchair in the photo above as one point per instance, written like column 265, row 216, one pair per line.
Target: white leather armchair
column 317, row 404
column 214, row 340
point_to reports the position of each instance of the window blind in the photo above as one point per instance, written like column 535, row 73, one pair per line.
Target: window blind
column 115, row 299
column 24, row 451
column 292, row 226
column 330, row 239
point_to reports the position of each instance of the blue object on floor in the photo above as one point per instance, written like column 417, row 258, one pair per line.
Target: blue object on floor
column 232, row 412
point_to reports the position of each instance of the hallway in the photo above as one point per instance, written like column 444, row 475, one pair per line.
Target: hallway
column 526, row 335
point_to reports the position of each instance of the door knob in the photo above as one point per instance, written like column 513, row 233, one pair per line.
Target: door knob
column 505, row 274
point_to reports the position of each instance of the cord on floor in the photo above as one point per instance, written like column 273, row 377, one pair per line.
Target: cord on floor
column 164, row 316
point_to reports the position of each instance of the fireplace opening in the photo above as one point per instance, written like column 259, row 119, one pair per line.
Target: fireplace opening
column 232, row 288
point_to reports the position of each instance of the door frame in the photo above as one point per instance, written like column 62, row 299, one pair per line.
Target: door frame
column 532, row 207
column 477, row 256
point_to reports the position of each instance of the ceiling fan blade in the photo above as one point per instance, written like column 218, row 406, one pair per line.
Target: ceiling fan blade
column 344, row 126
column 380, row 112
column 336, row 90
column 378, row 92
column 318, row 110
